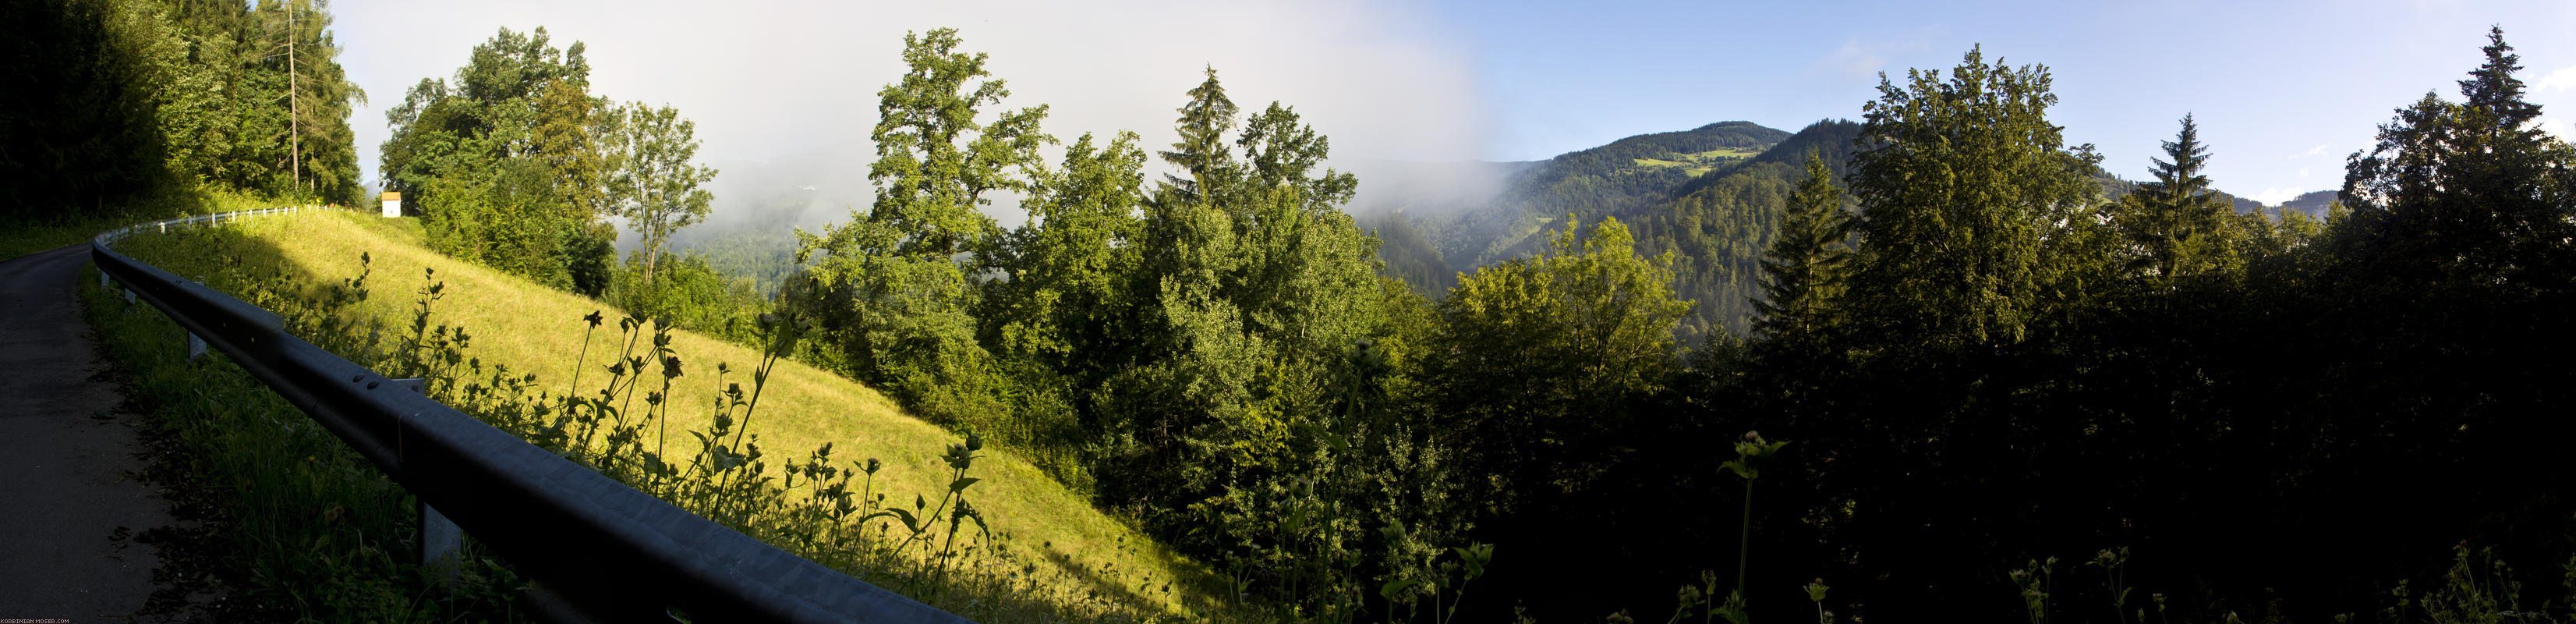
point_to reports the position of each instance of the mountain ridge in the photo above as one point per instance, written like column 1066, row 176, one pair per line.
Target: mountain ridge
column 1717, row 220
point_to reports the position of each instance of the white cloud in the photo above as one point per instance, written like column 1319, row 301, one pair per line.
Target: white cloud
column 1856, row 59
column 793, row 83
column 2550, row 124
column 2319, row 149
column 1865, row 57
column 2274, row 196
column 2561, row 80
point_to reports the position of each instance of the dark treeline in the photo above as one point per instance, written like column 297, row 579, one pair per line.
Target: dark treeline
column 2275, row 417
column 119, row 107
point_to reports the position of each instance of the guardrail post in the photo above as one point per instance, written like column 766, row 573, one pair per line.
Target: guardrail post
column 439, row 537
column 196, row 346
column 439, row 540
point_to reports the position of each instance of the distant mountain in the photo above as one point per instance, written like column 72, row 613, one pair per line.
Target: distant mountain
column 1719, row 226
column 1713, row 196
column 2313, row 203
column 1459, row 216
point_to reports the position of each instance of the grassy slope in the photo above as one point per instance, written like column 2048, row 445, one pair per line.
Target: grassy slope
column 531, row 328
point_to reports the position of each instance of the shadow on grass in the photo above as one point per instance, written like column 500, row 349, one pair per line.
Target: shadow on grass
column 1115, row 585
column 299, row 525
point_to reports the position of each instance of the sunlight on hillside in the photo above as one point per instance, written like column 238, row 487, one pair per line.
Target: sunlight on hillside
column 530, row 328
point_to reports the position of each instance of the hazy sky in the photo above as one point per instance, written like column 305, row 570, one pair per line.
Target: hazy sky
column 2282, row 90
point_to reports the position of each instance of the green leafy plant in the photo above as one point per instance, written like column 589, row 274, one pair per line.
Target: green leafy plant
column 1816, row 594
column 1749, row 453
column 2113, row 563
column 2035, row 582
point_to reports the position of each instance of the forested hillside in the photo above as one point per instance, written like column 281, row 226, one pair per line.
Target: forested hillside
column 1717, row 226
column 136, row 105
column 1715, row 217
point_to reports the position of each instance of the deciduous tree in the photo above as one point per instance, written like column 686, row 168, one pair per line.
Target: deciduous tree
column 653, row 181
column 1962, row 185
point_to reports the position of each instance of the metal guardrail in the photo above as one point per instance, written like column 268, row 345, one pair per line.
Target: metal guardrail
column 598, row 549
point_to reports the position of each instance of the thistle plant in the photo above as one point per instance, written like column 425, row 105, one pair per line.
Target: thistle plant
column 1816, row 594
column 1695, row 597
column 2112, row 562
column 924, row 517
column 2034, row 581
column 1445, row 594
column 1749, row 453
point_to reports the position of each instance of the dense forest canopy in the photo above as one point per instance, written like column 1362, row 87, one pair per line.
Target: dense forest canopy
column 115, row 104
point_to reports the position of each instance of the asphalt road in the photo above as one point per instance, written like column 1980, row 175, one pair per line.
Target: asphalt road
column 70, row 506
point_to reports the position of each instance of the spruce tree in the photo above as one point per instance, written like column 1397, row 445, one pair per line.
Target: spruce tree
column 2468, row 193
column 1201, row 153
column 1802, row 270
column 2168, row 214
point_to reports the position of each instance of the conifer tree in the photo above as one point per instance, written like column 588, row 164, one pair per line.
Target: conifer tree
column 1279, row 153
column 2472, row 192
column 1201, row 153
column 2169, row 214
column 1802, row 272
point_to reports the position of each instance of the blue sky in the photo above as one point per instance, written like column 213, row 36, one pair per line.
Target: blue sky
column 2282, row 91
column 785, row 90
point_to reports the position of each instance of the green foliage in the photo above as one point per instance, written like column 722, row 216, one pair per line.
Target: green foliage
column 1411, row 257
column 128, row 102
column 900, row 299
column 1542, row 354
column 304, row 527
column 1965, row 183
column 503, row 162
column 2466, row 192
column 1803, row 273
column 652, row 183
column 2024, row 367
column 1252, row 293
column 764, row 258
column 692, row 294
column 2176, row 221
column 1201, row 152
column 1719, row 217
column 70, row 129
column 1065, row 320
column 1217, row 357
